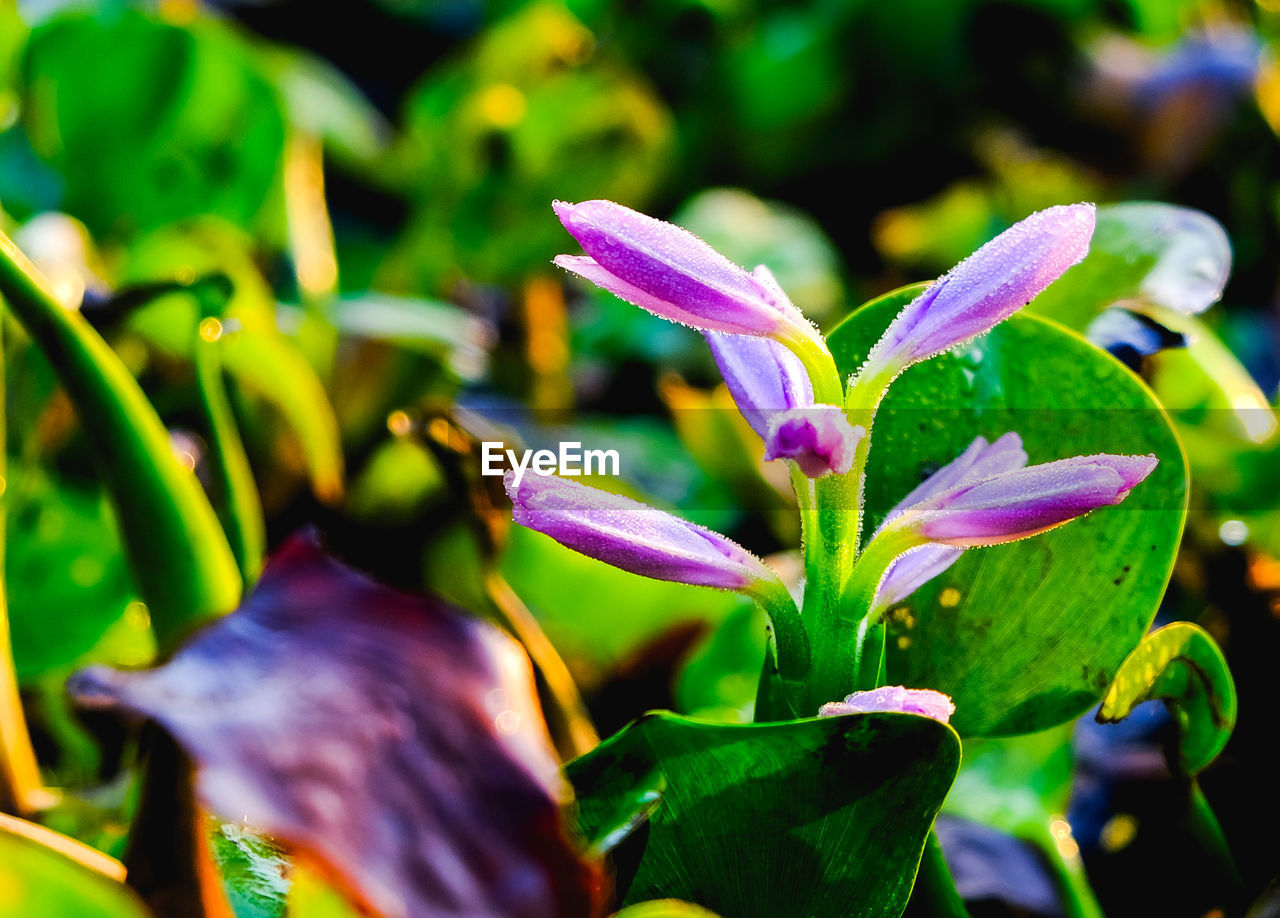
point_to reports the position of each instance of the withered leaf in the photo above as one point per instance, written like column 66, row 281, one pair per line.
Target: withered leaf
column 390, row 738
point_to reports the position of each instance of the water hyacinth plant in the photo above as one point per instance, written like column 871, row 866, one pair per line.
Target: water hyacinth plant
column 784, row 381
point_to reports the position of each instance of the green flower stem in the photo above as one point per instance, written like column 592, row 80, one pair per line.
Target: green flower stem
column 19, row 773
column 934, row 894
column 1078, row 898
column 862, row 401
column 848, row 643
column 848, row 649
column 180, row 558
column 1209, row 837
column 246, row 529
column 789, row 642
column 819, row 364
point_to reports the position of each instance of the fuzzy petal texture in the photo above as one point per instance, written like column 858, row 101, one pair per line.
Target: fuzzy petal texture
column 819, row 439
column 764, row 377
column 914, row 569
column 987, row 287
column 893, row 699
column 672, row 273
column 1023, row 502
column 910, row 571
column 633, row 536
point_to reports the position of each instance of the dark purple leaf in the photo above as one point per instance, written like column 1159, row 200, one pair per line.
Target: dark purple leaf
column 390, row 738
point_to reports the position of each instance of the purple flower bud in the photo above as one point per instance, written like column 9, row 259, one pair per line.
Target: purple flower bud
column 917, row 567
column 1023, row 502
column 674, row 274
column 763, row 376
column 772, row 390
column 633, row 536
column 819, row 439
column 893, row 699
column 979, row 460
column 987, row 287
column 910, row 571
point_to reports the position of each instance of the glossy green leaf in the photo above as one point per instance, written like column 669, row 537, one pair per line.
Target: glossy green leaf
column 1026, row 635
column 181, row 123
column 66, row 576
column 665, row 908
column 180, row 558
column 1183, row 666
column 825, row 817
column 36, row 880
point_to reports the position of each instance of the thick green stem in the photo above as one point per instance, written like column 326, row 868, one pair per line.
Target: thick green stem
column 1212, row 841
column 819, row 364
column 848, row 642
column 180, row 558
column 1078, row 898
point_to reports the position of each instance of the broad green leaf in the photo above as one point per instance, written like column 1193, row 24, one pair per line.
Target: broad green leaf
column 181, row 123
column 1183, row 666
column 66, row 576
column 719, row 681
column 38, row 880
column 530, row 112
column 180, row 558
column 824, row 817
column 665, row 908
column 1026, row 635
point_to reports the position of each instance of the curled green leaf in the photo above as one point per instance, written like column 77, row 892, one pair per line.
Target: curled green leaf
column 1181, row 665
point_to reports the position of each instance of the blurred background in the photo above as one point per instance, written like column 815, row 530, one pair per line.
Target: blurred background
column 375, row 177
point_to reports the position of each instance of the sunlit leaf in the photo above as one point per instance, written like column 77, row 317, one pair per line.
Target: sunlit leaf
column 1026, row 635
column 36, row 879
column 665, row 908
column 1181, row 665
column 181, row 123
column 388, row 737
column 844, row 803
column 66, row 577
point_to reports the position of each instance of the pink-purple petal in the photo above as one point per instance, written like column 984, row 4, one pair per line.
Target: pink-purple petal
column 631, row 535
column 893, row 699
column 819, row 439
column 987, row 287
column 1023, row 502
column 672, row 273
column 763, row 376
